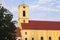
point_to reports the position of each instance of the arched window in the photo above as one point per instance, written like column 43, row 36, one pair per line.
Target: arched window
column 23, row 6
column 32, row 38
column 49, row 38
column 59, row 38
column 25, row 38
column 18, row 39
column 41, row 38
column 25, row 33
column 23, row 13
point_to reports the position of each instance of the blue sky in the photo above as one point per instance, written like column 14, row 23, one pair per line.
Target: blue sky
column 48, row 10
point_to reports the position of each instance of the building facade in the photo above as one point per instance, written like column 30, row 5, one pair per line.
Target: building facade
column 36, row 30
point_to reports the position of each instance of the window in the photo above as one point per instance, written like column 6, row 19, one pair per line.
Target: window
column 23, row 6
column 49, row 38
column 41, row 38
column 32, row 38
column 18, row 39
column 23, row 13
column 59, row 38
column 25, row 38
column 25, row 33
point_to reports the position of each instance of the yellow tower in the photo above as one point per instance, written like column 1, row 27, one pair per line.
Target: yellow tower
column 22, row 14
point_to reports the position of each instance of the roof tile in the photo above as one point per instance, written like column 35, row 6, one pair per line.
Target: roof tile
column 41, row 25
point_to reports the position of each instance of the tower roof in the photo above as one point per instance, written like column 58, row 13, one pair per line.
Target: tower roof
column 23, row 4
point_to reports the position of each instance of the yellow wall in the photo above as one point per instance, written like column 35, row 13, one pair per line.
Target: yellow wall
column 40, row 33
column 20, row 13
column 20, row 9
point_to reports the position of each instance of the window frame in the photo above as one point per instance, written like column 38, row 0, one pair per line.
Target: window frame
column 23, row 6
column 23, row 21
column 25, row 38
column 50, row 38
column 59, row 38
column 24, row 13
column 25, row 33
column 32, row 38
column 18, row 39
column 41, row 38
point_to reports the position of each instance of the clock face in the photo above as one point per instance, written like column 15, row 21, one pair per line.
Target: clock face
column 23, row 6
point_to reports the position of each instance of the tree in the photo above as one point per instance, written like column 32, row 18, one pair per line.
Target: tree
column 7, row 26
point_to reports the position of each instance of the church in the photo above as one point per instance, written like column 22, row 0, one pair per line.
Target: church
column 36, row 30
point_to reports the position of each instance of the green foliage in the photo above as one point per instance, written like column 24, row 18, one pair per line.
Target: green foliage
column 7, row 27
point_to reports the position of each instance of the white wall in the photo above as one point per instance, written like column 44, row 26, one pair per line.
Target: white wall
column 17, row 38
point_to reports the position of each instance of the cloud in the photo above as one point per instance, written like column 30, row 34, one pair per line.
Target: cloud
column 58, row 6
column 52, row 19
column 37, row 7
column 44, row 1
column 13, row 9
column 41, row 5
column 46, row 19
column 1, row 1
column 12, row 0
column 40, row 15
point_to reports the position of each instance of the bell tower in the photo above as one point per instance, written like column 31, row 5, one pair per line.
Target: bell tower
column 23, row 14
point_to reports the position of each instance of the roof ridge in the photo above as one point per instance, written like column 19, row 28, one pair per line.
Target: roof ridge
column 44, row 20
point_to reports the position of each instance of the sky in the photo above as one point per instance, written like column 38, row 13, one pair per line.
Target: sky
column 46, row 10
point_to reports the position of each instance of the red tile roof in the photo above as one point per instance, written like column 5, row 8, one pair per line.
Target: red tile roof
column 18, row 34
column 41, row 25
